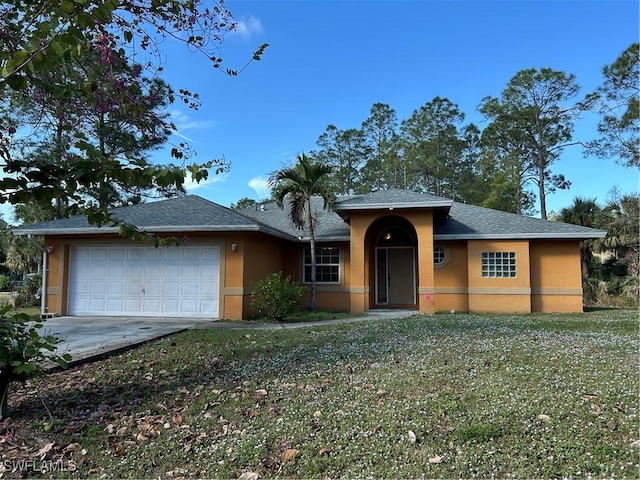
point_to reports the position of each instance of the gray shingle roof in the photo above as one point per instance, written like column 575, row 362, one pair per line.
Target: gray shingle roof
column 329, row 225
column 181, row 214
column 191, row 213
column 472, row 222
column 392, row 198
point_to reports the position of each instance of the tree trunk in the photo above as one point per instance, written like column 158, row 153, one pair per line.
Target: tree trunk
column 312, row 241
column 542, row 167
column 543, row 195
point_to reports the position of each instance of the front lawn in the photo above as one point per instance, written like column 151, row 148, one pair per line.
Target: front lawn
column 442, row 396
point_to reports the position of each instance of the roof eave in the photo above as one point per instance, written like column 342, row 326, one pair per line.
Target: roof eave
column 521, row 236
column 155, row 229
column 336, row 238
column 392, row 206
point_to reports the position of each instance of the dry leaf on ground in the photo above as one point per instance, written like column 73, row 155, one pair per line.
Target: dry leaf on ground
column 44, row 450
column 289, row 455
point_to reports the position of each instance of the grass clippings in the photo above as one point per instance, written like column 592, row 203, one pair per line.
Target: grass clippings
column 442, row 396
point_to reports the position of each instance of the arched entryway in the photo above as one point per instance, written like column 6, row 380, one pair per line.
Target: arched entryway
column 393, row 263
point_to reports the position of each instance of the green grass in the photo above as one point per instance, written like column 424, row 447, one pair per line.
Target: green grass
column 306, row 316
column 442, row 396
column 33, row 310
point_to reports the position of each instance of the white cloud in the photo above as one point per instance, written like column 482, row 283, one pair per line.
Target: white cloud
column 177, row 116
column 261, row 187
column 184, row 122
column 247, row 28
column 190, row 184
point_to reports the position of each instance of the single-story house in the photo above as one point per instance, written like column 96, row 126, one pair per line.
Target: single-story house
column 388, row 249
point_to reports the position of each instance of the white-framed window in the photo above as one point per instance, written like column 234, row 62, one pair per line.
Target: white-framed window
column 327, row 265
column 498, row 264
column 441, row 256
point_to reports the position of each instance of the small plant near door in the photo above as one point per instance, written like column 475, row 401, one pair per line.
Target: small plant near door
column 24, row 352
column 276, row 297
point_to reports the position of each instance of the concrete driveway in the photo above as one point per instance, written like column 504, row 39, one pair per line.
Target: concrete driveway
column 87, row 337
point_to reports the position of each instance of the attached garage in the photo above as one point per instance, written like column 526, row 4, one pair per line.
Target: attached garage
column 144, row 281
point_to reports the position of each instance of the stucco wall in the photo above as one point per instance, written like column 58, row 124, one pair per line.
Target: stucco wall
column 423, row 223
column 363, row 244
column 333, row 296
column 556, row 278
column 500, row 295
column 450, row 290
column 548, row 271
column 53, row 276
column 261, row 255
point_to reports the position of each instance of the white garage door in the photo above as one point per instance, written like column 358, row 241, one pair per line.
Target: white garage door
column 145, row 281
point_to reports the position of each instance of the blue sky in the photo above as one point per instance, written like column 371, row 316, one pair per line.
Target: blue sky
column 329, row 61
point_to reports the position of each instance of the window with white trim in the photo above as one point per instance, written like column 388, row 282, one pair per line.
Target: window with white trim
column 327, row 265
column 498, row 264
column 441, row 256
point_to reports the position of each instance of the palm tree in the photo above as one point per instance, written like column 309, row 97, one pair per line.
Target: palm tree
column 298, row 184
column 587, row 213
column 623, row 236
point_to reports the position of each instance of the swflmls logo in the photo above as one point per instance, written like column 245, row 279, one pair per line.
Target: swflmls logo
column 42, row 466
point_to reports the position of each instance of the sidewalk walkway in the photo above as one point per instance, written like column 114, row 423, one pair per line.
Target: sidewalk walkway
column 91, row 338
column 370, row 315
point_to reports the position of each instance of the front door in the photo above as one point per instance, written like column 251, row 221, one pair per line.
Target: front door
column 395, row 276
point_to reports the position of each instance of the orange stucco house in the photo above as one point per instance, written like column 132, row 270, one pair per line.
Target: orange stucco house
column 388, row 249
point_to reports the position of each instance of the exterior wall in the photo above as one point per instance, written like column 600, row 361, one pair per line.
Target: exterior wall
column 556, row 277
column 499, row 295
column 331, row 297
column 261, row 255
column 53, row 274
column 361, row 286
column 551, row 266
column 548, row 275
column 422, row 221
column 450, row 291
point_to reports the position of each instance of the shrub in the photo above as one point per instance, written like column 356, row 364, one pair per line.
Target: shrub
column 276, row 297
column 23, row 351
column 29, row 293
column 5, row 282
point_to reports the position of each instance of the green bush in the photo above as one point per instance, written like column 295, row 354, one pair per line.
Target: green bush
column 5, row 282
column 617, row 292
column 276, row 297
column 23, row 351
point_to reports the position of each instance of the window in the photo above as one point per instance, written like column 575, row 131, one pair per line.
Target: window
column 441, row 256
column 499, row 264
column 327, row 265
